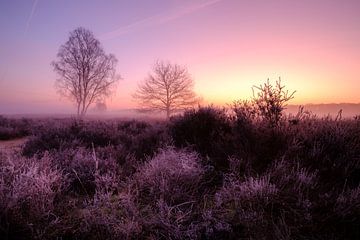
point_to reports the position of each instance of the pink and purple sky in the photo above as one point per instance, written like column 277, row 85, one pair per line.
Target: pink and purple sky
column 227, row 45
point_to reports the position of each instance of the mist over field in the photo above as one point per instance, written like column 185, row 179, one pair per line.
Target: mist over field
column 349, row 110
column 179, row 119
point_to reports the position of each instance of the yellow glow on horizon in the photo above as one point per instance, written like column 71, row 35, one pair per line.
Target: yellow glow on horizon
column 310, row 87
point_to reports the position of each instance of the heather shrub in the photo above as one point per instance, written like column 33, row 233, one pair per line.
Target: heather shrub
column 133, row 127
column 156, row 203
column 244, row 205
column 28, row 191
column 244, row 127
column 14, row 128
column 81, row 166
column 244, row 118
column 332, row 148
column 276, row 205
column 295, row 200
column 121, row 160
column 166, row 189
column 140, row 139
column 245, row 112
column 260, row 133
column 257, row 146
column 348, row 203
column 109, row 216
column 229, row 175
column 52, row 136
column 308, row 206
column 346, row 212
column 99, row 134
column 269, row 145
column 207, row 131
column 219, row 135
column 7, row 133
column 147, row 142
column 171, row 175
column 108, row 182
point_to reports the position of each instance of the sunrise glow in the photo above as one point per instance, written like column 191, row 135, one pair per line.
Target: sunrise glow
column 228, row 46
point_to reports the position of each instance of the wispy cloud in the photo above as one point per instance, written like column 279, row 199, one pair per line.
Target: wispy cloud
column 158, row 19
column 31, row 15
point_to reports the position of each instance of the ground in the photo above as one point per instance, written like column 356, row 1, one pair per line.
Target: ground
column 12, row 145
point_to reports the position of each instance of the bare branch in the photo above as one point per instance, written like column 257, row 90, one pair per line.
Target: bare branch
column 271, row 101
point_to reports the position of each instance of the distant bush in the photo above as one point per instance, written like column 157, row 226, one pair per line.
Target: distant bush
column 52, row 136
column 139, row 139
column 14, row 128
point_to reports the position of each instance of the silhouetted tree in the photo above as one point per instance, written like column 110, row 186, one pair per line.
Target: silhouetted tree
column 271, row 101
column 169, row 88
column 86, row 73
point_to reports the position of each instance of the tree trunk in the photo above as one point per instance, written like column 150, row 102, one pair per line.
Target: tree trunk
column 167, row 113
column 78, row 109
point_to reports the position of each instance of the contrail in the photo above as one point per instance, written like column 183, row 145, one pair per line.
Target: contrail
column 31, row 15
column 157, row 19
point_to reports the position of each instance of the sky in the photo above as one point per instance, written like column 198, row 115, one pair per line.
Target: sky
column 228, row 46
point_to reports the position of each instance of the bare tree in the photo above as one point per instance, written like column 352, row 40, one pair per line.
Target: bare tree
column 86, row 73
column 169, row 88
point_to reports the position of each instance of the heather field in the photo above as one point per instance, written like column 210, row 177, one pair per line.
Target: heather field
column 206, row 174
column 170, row 120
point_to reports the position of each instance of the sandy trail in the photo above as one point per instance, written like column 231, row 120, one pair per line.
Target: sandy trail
column 12, row 145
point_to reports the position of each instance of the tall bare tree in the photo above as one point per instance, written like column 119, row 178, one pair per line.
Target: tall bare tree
column 86, row 73
column 168, row 88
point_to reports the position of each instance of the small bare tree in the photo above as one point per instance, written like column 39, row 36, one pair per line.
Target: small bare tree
column 271, row 101
column 169, row 88
column 86, row 73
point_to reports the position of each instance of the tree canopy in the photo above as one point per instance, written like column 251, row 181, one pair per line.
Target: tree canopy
column 86, row 73
column 169, row 88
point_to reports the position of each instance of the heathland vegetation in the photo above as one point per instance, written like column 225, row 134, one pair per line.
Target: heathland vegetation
column 243, row 172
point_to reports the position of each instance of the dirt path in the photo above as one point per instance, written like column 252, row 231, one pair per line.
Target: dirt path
column 12, row 145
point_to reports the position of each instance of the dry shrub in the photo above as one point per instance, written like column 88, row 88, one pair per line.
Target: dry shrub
column 244, row 204
column 110, row 216
column 172, row 175
column 81, row 165
column 157, row 202
column 207, row 130
column 166, row 190
column 28, row 190
column 348, row 203
column 14, row 128
column 330, row 147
